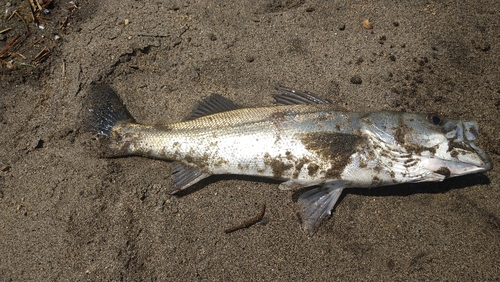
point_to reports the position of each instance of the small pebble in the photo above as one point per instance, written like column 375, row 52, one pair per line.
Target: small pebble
column 367, row 24
column 127, row 21
column 8, row 12
column 356, row 79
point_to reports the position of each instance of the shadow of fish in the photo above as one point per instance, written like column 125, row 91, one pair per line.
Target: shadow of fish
column 304, row 141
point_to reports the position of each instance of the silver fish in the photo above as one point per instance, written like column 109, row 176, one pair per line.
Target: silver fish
column 304, row 141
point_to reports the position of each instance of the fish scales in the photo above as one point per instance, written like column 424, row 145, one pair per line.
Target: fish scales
column 253, row 141
column 305, row 141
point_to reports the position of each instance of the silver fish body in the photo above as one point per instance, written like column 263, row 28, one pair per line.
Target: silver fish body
column 304, row 141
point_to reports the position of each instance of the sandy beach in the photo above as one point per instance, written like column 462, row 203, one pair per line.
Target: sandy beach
column 69, row 214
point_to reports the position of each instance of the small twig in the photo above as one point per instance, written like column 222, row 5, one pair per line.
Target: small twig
column 10, row 17
column 42, row 55
column 5, row 50
column 249, row 222
column 9, row 51
column 32, row 4
column 46, row 3
column 38, row 5
column 11, row 46
column 33, row 9
column 22, row 19
column 64, row 23
column 5, row 30
column 21, row 50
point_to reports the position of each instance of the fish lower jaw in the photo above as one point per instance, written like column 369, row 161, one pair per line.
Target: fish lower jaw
column 455, row 168
column 470, row 169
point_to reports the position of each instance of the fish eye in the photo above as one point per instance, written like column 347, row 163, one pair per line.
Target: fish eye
column 434, row 119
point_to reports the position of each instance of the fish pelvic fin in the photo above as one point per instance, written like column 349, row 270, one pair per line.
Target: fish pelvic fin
column 105, row 109
column 185, row 176
column 318, row 202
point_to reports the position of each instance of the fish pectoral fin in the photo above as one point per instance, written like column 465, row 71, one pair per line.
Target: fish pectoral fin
column 317, row 202
column 290, row 96
column 185, row 176
column 215, row 103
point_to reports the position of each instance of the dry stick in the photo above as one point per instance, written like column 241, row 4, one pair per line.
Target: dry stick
column 64, row 23
column 249, row 222
column 11, row 15
column 5, row 52
column 22, row 19
column 10, row 49
column 38, row 5
column 42, row 55
column 21, row 50
column 33, row 6
column 33, row 9
column 5, row 30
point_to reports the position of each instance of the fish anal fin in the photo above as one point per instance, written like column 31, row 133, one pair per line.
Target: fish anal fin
column 318, row 202
column 215, row 103
column 290, row 96
column 185, row 176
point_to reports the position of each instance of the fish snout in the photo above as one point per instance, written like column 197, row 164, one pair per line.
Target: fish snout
column 471, row 131
column 471, row 158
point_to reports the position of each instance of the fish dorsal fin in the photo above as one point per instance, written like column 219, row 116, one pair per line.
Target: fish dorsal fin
column 318, row 202
column 215, row 103
column 185, row 176
column 289, row 96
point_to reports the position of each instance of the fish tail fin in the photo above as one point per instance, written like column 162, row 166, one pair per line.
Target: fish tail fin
column 317, row 202
column 105, row 110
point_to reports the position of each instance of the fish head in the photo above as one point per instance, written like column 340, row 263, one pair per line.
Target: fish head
column 426, row 147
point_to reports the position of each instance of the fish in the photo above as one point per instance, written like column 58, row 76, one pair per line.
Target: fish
column 303, row 140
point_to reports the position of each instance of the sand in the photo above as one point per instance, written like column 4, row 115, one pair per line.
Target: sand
column 69, row 214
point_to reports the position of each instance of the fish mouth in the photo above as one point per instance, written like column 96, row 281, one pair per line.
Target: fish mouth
column 481, row 161
column 454, row 168
column 465, row 163
column 462, row 156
